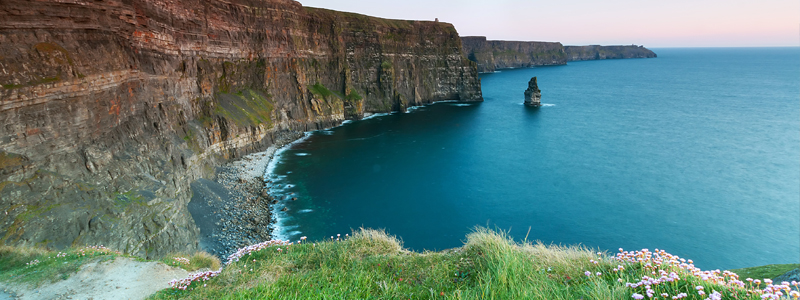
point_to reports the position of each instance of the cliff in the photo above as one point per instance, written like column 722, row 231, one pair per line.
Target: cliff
column 494, row 55
column 110, row 109
column 595, row 52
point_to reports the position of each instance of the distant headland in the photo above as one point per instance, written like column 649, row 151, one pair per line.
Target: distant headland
column 495, row 55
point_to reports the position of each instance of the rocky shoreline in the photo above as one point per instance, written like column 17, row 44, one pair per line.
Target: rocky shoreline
column 235, row 209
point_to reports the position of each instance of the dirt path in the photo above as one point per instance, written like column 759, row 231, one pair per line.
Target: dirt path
column 122, row 278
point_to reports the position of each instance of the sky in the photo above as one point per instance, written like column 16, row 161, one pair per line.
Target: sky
column 663, row 23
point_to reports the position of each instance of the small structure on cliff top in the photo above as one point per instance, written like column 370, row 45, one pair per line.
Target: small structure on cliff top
column 533, row 95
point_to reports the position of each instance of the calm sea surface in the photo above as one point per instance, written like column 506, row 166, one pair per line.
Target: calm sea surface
column 696, row 152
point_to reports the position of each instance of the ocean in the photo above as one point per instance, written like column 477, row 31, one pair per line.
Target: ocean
column 696, row 152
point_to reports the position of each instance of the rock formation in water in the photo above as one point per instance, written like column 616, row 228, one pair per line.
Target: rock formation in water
column 496, row 55
column 110, row 109
column 595, row 52
column 533, row 95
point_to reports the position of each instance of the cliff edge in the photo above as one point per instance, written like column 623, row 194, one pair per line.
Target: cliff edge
column 496, row 55
column 110, row 109
column 596, row 52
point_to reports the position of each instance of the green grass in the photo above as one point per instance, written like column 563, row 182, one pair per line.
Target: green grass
column 320, row 90
column 373, row 265
column 768, row 271
column 245, row 108
column 197, row 261
column 34, row 266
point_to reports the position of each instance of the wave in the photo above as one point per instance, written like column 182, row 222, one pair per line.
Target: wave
column 305, row 211
column 374, row 115
column 301, row 154
column 461, row 104
column 366, row 138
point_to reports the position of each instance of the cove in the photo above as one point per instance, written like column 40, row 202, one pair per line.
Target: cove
column 696, row 152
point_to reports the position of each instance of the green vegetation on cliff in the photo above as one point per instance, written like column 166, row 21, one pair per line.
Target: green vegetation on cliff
column 373, row 265
column 34, row 266
column 246, row 107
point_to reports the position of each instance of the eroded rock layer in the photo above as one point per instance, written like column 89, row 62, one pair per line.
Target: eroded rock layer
column 495, row 55
column 596, row 52
column 110, row 109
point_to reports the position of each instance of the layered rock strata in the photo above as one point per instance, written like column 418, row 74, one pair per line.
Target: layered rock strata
column 497, row 55
column 596, row 52
column 110, row 109
column 533, row 95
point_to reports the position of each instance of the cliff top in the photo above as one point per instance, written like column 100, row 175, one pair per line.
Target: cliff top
column 372, row 264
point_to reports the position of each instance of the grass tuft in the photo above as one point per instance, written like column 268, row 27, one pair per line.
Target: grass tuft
column 198, row 261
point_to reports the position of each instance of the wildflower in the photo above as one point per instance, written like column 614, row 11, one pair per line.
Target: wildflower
column 699, row 288
column 637, row 296
column 715, row 296
column 701, row 293
column 588, row 273
column 598, row 273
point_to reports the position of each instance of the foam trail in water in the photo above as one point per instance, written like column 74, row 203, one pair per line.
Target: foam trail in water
column 301, row 154
column 278, row 228
column 375, row 115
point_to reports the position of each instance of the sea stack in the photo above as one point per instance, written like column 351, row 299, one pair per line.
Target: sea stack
column 533, row 95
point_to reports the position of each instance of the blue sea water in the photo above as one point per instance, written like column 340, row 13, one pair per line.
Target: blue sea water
column 696, row 152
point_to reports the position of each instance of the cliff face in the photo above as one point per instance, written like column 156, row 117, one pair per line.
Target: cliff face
column 595, row 52
column 493, row 55
column 110, row 109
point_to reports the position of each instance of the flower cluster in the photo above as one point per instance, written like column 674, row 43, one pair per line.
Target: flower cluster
column 665, row 270
column 776, row 291
column 183, row 284
column 253, row 248
column 181, row 260
column 92, row 250
column 32, row 263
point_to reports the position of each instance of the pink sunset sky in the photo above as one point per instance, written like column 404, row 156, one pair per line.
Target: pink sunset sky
column 674, row 23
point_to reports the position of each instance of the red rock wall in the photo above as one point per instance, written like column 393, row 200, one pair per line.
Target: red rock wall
column 111, row 108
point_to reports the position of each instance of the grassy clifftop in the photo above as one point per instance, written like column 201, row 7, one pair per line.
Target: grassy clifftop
column 373, row 265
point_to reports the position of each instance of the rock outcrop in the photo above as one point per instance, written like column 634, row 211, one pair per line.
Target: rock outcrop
column 495, row 55
column 110, row 109
column 596, row 52
column 533, row 95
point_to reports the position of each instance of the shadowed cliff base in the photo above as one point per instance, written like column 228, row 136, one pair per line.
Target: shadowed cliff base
column 113, row 108
column 496, row 55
